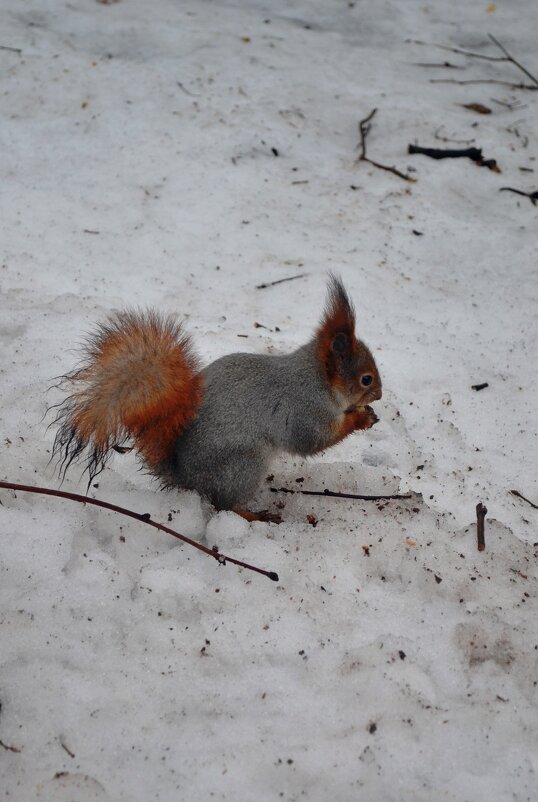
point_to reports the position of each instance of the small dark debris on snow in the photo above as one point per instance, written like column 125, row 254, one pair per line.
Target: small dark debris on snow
column 479, row 387
column 418, row 233
column 478, row 107
column 372, row 727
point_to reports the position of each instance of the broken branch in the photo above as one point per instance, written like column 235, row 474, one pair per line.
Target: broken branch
column 279, row 281
column 364, row 130
column 475, row 154
column 533, row 196
column 222, row 559
column 481, row 513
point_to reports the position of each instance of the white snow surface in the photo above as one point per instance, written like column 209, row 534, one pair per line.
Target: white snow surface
column 178, row 154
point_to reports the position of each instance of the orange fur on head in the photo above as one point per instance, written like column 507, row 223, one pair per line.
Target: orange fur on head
column 139, row 379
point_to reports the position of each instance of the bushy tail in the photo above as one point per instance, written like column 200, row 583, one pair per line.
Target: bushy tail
column 139, row 379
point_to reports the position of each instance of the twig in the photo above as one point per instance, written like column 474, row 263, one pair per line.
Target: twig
column 11, row 49
column 364, row 130
column 335, row 494
column 533, row 196
column 458, row 50
column 222, row 559
column 437, row 135
column 475, row 154
column 446, row 64
column 66, row 748
column 479, row 387
column 521, row 496
column 9, row 748
column 507, row 57
column 515, row 105
column 184, row 89
column 510, row 58
column 481, row 513
column 280, row 281
column 481, row 81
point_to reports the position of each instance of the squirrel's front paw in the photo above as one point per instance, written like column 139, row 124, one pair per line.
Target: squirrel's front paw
column 365, row 418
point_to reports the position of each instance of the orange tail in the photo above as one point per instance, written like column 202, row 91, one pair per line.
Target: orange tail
column 139, row 379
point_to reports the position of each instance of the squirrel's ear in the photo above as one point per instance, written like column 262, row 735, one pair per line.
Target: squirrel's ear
column 341, row 344
column 335, row 336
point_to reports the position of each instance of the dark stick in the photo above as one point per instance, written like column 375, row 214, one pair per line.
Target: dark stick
column 364, row 130
column 533, row 196
column 481, row 513
column 479, row 387
column 475, row 154
column 448, row 153
column 335, row 494
column 280, row 281
column 145, row 518
column 521, row 496
column 11, row 49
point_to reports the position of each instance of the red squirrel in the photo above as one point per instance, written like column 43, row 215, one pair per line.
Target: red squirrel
column 215, row 429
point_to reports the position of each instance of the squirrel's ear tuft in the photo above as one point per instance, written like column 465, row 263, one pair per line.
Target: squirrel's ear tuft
column 335, row 336
column 339, row 314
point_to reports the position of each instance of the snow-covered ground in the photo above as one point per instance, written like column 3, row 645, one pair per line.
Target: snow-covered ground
column 179, row 153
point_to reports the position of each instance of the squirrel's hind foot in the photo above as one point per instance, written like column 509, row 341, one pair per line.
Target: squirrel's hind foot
column 261, row 515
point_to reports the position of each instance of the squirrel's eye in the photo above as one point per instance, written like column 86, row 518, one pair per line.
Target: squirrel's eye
column 367, row 379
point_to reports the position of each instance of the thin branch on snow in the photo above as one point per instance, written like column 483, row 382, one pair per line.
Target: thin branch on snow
column 533, row 196
column 506, row 57
column 364, row 130
column 521, row 496
column 279, row 281
column 437, row 135
column 438, row 64
column 481, row 81
column 335, row 494
column 222, row 559
column 513, row 61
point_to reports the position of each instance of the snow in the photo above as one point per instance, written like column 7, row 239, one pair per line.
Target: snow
column 138, row 168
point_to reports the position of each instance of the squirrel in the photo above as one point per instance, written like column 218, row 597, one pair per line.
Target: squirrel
column 216, row 429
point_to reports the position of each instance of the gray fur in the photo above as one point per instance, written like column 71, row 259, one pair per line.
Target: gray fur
column 254, row 407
